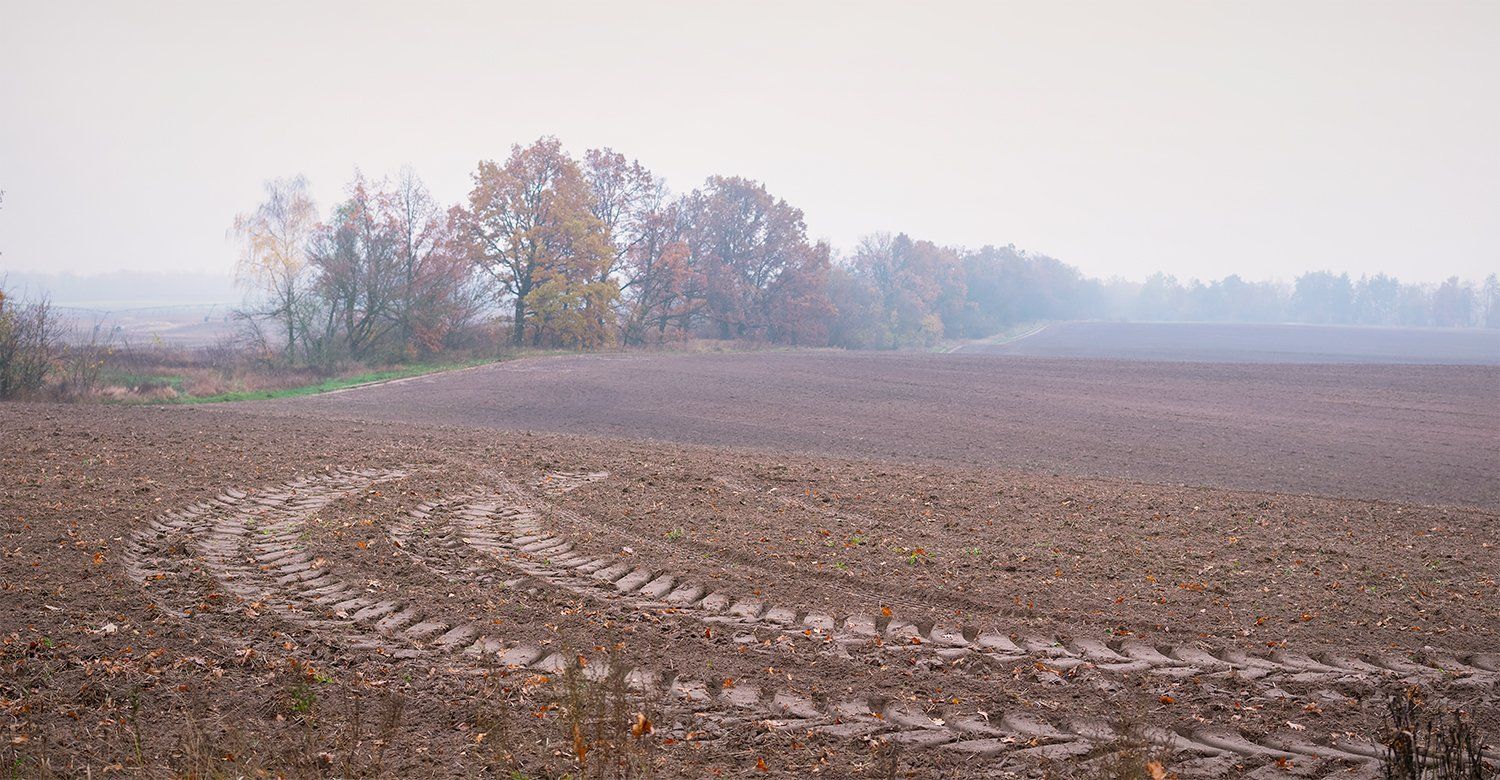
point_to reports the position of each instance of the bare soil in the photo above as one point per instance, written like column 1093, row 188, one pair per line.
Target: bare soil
column 1428, row 434
column 277, row 591
column 1211, row 342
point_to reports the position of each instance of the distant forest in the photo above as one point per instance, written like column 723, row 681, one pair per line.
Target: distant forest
column 981, row 292
column 591, row 252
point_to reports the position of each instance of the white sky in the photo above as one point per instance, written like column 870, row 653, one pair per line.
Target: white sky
column 1198, row 138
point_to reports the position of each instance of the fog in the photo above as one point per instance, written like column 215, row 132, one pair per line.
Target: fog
column 1195, row 139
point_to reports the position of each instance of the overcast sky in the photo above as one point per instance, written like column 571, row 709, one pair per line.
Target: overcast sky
column 1197, row 138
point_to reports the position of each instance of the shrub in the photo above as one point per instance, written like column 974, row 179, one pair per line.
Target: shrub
column 29, row 346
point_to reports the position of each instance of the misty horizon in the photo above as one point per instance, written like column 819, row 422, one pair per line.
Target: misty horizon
column 1211, row 141
column 208, row 287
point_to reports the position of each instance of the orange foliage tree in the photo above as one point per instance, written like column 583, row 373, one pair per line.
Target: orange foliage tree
column 391, row 274
column 437, row 290
column 533, row 230
column 918, row 288
column 750, row 248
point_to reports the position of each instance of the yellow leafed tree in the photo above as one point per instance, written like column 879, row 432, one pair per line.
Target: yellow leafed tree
column 273, row 252
column 534, row 232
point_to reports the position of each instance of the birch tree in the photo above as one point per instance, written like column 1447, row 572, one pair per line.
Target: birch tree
column 273, row 252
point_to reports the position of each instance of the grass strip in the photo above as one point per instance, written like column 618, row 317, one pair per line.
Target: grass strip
column 327, row 385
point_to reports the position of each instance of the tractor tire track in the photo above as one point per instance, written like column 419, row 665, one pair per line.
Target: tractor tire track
column 507, row 526
column 1475, row 670
column 251, row 543
column 536, row 549
column 556, row 483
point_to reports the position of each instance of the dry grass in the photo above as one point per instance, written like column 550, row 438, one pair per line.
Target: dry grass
column 612, row 736
column 601, row 728
column 1428, row 744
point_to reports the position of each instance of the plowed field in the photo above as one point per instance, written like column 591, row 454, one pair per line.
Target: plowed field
column 1253, row 343
column 754, row 565
column 1394, row 432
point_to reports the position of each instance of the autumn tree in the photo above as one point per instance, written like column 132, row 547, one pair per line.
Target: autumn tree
column 1006, row 286
column 357, row 262
column 799, row 311
column 391, row 270
column 624, row 197
column 920, row 287
column 1323, row 297
column 1414, row 305
column 533, row 230
column 1233, row 299
column 742, row 240
column 30, row 344
column 273, row 252
column 659, row 286
column 643, row 232
column 436, row 291
column 646, row 231
column 859, row 312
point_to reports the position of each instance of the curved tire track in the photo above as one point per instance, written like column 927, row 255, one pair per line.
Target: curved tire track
column 250, row 541
column 531, row 546
column 508, row 527
column 556, row 483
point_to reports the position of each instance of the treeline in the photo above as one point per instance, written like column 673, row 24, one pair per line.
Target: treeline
column 594, row 251
column 549, row 250
column 1319, row 297
column 574, row 253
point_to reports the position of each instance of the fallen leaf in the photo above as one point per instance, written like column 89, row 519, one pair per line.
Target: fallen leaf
column 580, row 747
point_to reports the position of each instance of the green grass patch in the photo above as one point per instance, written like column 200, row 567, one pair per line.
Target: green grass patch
column 328, row 385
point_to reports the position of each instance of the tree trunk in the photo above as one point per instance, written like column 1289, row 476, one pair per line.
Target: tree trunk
column 518, row 333
column 291, row 329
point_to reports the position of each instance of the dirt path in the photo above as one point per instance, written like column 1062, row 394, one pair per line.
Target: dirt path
column 983, row 345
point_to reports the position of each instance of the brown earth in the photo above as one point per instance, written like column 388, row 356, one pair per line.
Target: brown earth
column 1429, row 434
column 1222, row 342
column 199, row 591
